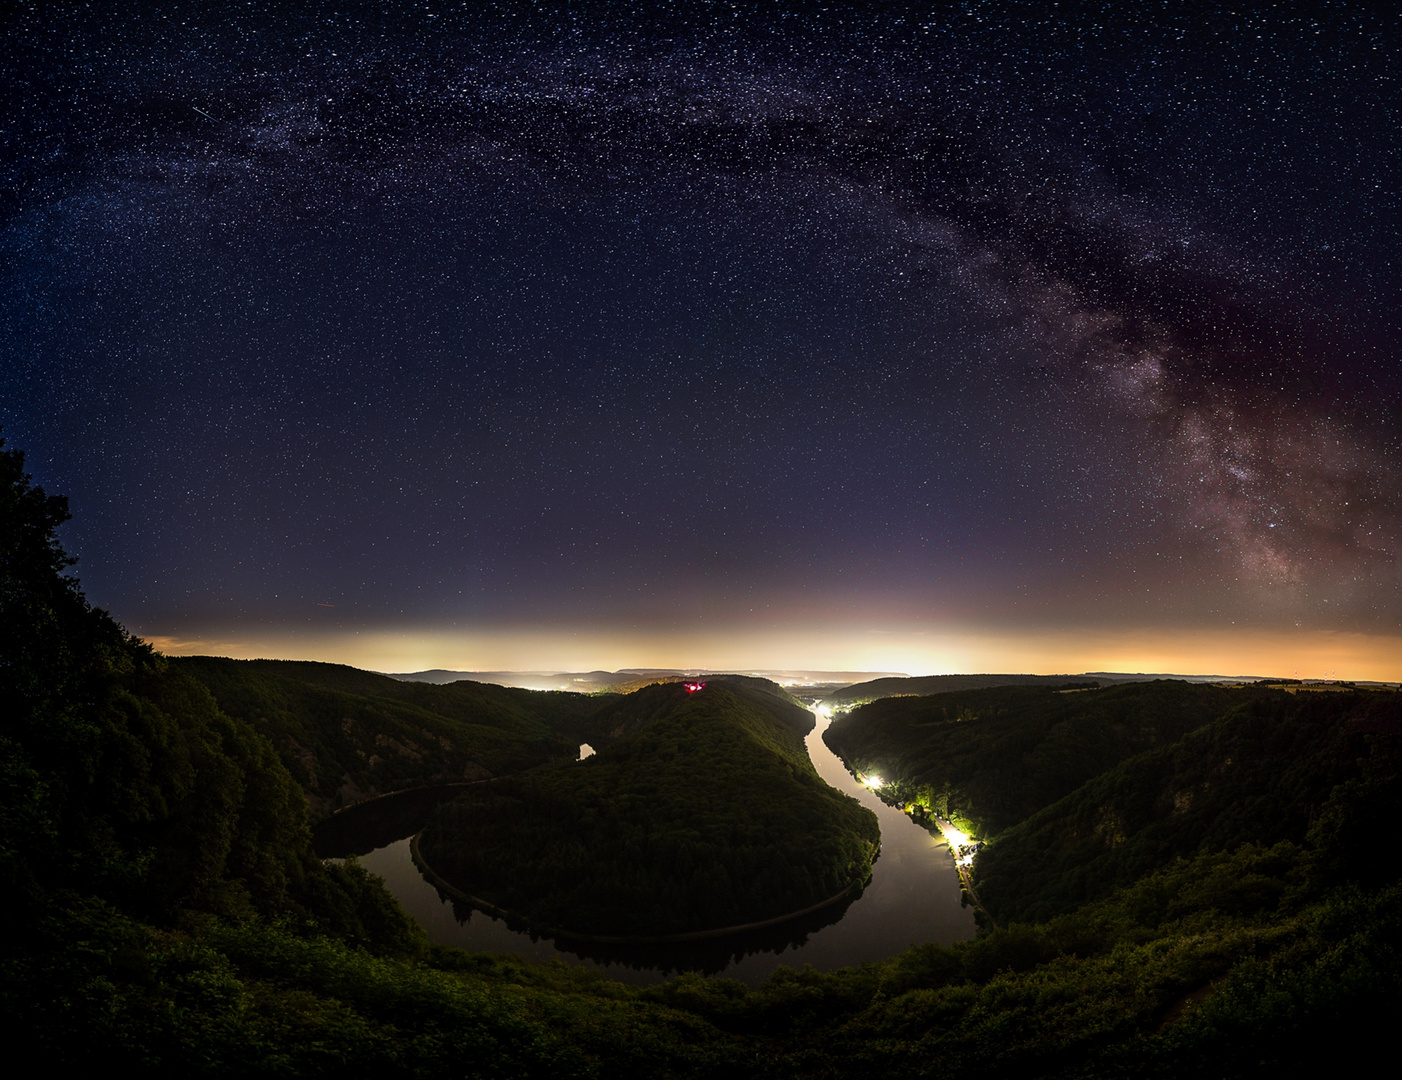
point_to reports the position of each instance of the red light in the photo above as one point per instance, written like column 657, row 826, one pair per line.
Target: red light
column 692, row 687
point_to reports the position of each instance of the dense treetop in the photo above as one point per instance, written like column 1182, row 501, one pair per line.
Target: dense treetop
column 705, row 812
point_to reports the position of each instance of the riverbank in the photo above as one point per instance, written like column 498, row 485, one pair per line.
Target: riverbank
column 913, row 897
column 707, row 814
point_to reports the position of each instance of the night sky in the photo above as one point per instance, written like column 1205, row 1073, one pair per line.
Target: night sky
column 586, row 335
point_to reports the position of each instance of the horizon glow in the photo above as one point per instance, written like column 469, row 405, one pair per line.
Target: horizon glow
column 1321, row 655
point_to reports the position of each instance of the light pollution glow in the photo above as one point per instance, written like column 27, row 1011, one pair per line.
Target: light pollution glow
column 1305, row 655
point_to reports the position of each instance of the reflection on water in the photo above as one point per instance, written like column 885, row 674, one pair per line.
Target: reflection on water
column 381, row 824
column 913, row 897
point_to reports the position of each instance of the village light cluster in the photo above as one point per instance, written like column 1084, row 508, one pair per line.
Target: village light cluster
column 961, row 845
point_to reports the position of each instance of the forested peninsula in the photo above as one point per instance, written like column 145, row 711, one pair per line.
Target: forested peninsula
column 1187, row 881
column 707, row 815
column 700, row 810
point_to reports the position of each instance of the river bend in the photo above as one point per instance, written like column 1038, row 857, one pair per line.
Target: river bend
column 914, row 897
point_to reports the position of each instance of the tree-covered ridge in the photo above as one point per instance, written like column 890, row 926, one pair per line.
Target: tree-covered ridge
column 621, row 715
column 925, row 685
column 348, row 735
column 992, row 757
column 1268, row 770
column 707, row 813
column 120, row 778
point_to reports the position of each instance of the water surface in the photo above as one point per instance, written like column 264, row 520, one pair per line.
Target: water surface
column 913, row 897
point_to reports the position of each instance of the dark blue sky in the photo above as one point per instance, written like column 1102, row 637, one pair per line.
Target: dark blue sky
column 494, row 320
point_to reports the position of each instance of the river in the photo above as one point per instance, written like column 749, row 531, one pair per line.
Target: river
column 914, row 897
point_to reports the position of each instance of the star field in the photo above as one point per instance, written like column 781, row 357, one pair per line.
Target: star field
column 606, row 318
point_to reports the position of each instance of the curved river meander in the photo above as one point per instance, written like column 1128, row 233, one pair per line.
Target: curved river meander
column 913, row 897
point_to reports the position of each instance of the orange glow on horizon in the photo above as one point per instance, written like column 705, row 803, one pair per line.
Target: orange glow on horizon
column 1305, row 655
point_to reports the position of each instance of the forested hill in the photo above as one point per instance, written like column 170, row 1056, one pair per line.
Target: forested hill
column 704, row 812
column 922, row 685
column 624, row 714
column 347, row 735
column 123, row 786
column 1078, row 794
column 991, row 757
column 1281, row 767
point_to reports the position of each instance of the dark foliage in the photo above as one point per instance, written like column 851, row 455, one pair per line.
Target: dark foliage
column 348, row 735
column 1268, row 770
column 992, row 757
column 706, row 814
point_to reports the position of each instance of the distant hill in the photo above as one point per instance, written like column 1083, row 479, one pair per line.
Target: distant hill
column 627, row 679
column 585, row 682
column 1080, row 794
column 896, row 686
column 876, row 689
column 1140, row 676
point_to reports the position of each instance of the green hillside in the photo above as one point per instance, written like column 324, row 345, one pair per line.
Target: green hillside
column 348, row 735
column 991, row 757
column 923, row 685
column 704, row 813
column 1268, row 770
